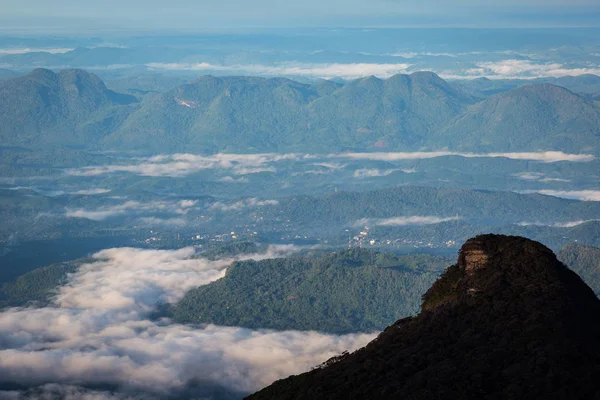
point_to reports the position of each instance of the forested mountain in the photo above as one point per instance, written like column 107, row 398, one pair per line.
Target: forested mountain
column 257, row 114
column 38, row 286
column 507, row 321
column 72, row 107
column 7, row 74
column 250, row 114
column 540, row 116
column 483, row 87
column 351, row 290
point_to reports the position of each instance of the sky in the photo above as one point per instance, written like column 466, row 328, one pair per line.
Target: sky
column 215, row 14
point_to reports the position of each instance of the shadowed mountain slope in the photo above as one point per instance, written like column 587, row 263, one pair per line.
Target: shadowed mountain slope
column 507, row 321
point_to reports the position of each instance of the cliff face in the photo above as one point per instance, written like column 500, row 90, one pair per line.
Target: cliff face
column 507, row 321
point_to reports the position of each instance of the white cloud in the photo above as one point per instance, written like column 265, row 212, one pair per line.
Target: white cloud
column 241, row 204
column 231, row 179
column 554, row 180
column 529, row 176
column 518, row 69
column 88, row 192
column 238, row 170
column 331, row 165
column 326, row 71
column 132, row 208
column 97, row 332
column 538, row 176
column 544, row 156
column 25, row 50
column 372, row 172
column 569, row 224
column 404, row 221
column 183, row 164
column 585, row 195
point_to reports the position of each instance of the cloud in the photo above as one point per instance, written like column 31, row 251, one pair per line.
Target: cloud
column 331, row 165
column 97, row 331
column 554, row 180
column 326, row 71
column 518, row 69
column 231, row 179
column 529, row 176
column 183, row 164
column 25, row 50
column 239, row 205
column 132, row 208
column 238, row 170
column 543, row 156
column 569, row 224
column 585, row 195
column 372, row 172
column 538, row 176
column 404, row 221
column 89, row 192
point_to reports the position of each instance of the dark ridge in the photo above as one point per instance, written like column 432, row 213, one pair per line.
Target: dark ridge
column 508, row 321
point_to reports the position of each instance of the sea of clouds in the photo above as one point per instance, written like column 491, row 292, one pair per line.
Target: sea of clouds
column 97, row 332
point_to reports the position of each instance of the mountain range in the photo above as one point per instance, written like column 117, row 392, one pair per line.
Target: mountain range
column 250, row 114
column 508, row 320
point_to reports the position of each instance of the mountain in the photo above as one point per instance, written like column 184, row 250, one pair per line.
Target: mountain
column 585, row 261
column 249, row 114
column 71, row 107
column 483, row 87
column 507, row 321
column 7, row 74
column 528, row 118
column 352, row 290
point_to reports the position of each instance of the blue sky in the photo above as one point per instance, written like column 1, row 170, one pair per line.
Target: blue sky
column 215, row 14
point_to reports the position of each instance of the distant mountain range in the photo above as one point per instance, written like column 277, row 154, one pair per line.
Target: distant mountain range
column 507, row 321
column 249, row 114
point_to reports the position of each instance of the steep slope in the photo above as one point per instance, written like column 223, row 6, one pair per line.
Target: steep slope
column 257, row 114
column 59, row 108
column 531, row 117
column 507, row 321
column 585, row 261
